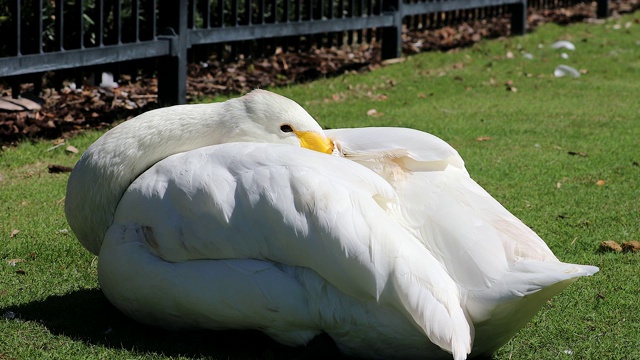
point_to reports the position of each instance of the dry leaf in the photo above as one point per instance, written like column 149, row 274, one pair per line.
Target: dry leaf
column 422, row 95
column 13, row 262
column 631, row 246
column 374, row 112
column 72, row 149
column 483, row 138
column 14, row 232
column 610, row 246
column 600, row 182
column 577, row 153
column 54, row 169
column 392, row 61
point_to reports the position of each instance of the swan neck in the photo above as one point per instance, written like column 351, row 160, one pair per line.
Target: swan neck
column 114, row 161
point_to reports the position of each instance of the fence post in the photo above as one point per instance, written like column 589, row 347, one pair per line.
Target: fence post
column 392, row 36
column 172, row 70
column 603, row 9
column 519, row 18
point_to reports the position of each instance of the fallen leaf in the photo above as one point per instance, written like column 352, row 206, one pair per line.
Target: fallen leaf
column 600, row 182
column 374, row 112
column 631, row 246
column 577, row 153
column 55, row 146
column 13, row 262
column 610, row 246
column 54, row 169
column 14, row 232
column 392, row 61
column 483, row 138
column 72, row 149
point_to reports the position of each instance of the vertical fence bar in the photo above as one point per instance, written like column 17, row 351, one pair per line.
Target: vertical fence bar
column 233, row 21
column 117, row 15
column 18, row 22
column 39, row 27
column 135, row 13
column 519, row 18
column 80, row 15
column 172, row 70
column 603, row 9
column 206, row 17
column 220, row 12
column 285, row 11
column 350, row 11
column 58, row 25
column 99, row 22
column 392, row 36
column 261, row 13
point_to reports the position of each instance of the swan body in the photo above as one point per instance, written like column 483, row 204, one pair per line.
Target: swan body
column 222, row 216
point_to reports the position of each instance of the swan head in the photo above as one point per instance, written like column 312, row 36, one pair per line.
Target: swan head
column 275, row 118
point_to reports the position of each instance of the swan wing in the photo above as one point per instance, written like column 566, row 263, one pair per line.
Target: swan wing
column 412, row 149
column 209, row 294
column 489, row 252
column 297, row 207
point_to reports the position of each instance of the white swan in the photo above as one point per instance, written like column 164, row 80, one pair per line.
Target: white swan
column 219, row 216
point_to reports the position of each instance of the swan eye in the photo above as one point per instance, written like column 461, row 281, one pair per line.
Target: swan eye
column 286, row 128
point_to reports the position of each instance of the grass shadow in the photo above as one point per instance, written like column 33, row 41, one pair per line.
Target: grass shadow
column 87, row 316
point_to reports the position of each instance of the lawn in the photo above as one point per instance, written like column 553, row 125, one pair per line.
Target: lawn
column 563, row 154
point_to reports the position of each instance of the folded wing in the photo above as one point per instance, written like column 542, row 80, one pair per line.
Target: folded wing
column 302, row 208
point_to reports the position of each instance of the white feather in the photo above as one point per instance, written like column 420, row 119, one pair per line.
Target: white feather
column 210, row 216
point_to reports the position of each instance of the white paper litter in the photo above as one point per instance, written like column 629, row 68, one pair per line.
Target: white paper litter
column 563, row 44
column 565, row 70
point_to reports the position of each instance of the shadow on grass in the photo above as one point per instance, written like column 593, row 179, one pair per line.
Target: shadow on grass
column 87, row 316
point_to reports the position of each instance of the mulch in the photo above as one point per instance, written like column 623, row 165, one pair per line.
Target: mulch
column 55, row 114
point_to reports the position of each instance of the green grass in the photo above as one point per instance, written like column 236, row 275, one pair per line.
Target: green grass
column 459, row 96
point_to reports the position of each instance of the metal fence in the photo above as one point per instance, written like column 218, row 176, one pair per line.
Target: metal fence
column 71, row 36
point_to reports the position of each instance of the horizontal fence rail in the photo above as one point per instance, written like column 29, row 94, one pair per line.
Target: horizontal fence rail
column 55, row 35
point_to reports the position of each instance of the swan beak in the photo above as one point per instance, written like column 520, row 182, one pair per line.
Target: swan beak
column 314, row 141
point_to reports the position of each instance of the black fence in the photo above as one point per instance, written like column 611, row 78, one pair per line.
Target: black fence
column 72, row 37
